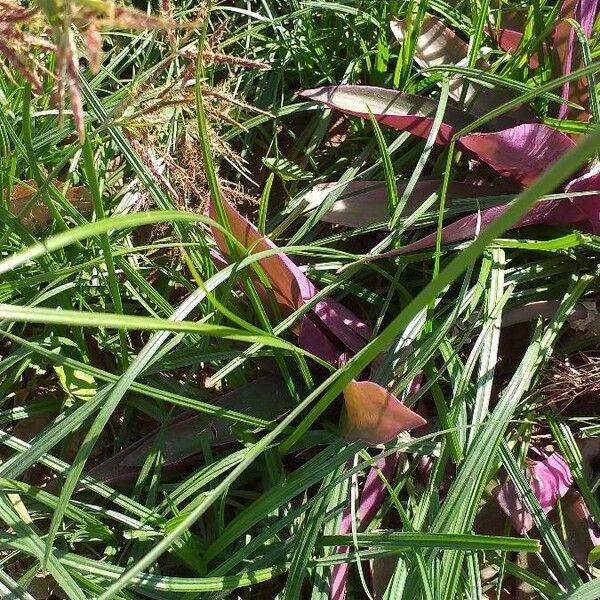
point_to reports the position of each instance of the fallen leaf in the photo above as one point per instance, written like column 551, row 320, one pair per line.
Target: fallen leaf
column 289, row 285
column 549, row 212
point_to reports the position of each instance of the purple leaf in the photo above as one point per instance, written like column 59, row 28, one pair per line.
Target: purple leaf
column 550, row 479
column 521, row 153
column 584, row 12
column 550, row 212
column 343, row 323
column 312, row 339
column 509, row 40
column 372, row 498
column 589, row 206
column 365, row 203
column 400, row 111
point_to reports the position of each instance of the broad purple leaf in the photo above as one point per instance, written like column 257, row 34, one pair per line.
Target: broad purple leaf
column 343, row 323
column 374, row 415
column 266, row 398
column 550, row 479
column 589, row 206
column 366, row 203
column 290, row 286
column 437, row 45
column 400, row 111
column 509, row 40
column 522, row 153
column 313, row 340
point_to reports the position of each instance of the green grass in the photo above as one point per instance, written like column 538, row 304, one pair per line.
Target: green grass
column 114, row 320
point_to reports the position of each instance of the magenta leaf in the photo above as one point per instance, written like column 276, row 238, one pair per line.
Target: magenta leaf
column 584, row 12
column 550, row 479
column 522, row 153
column 400, row 111
column 343, row 323
column 313, row 340
column 550, row 212
column 589, row 206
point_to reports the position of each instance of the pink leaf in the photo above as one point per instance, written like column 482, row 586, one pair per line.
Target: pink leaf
column 374, row 415
column 366, row 203
column 550, row 479
column 401, row 111
column 589, row 206
column 509, row 40
column 584, row 12
column 522, row 153
column 343, row 323
column 312, row 339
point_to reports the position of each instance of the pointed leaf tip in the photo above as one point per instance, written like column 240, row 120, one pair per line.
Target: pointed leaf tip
column 401, row 111
column 373, row 415
column 522, row 153
column 588, row 206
